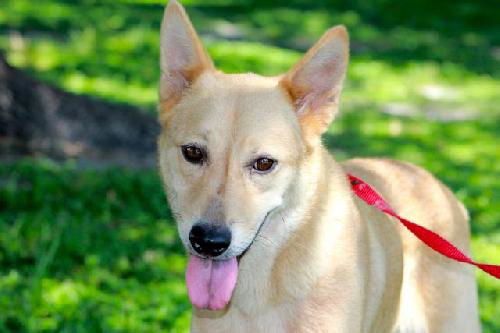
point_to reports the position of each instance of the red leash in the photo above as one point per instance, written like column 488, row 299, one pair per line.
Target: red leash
column 430, row 238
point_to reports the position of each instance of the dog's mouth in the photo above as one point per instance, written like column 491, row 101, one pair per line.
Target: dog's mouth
column 210, row 282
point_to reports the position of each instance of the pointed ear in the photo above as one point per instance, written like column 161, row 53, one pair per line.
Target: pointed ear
column 315, row 82
column 182, row 56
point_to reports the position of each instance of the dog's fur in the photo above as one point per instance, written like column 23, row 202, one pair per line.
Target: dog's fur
column 317, row 258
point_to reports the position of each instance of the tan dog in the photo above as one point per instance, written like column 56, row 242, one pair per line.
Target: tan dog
column 276, row 239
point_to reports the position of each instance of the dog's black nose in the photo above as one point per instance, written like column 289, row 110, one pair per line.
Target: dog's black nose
column 210, row 240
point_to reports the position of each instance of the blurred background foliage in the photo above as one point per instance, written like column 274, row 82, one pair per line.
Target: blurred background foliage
column 97, row 251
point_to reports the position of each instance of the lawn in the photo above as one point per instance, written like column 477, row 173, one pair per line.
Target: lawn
column 97, row 250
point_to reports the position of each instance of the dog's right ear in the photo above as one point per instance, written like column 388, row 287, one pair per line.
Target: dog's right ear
column 182, row 56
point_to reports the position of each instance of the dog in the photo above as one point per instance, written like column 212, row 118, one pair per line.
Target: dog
column 277, row 241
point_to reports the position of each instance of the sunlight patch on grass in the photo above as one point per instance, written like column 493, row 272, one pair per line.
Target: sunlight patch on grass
column 241, row 57
column 423, row 85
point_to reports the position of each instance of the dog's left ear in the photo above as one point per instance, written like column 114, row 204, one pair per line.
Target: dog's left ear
column 314, row 83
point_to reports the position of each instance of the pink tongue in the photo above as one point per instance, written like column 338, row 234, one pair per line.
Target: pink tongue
column 210, row 283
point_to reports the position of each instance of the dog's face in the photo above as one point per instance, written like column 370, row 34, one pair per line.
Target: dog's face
column 232, row 146
column 229, row 153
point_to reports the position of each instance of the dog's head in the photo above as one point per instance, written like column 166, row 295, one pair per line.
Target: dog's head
column 232, row 145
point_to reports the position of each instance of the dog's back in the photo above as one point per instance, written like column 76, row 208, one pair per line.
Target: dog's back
column 438, row 295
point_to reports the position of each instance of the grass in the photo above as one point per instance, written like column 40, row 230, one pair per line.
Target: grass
column 84, row 265
column 92, row 251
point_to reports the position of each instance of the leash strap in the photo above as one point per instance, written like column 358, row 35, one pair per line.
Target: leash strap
column 366, row 193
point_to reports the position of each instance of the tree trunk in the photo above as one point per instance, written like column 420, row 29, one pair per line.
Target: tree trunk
column 37, row 119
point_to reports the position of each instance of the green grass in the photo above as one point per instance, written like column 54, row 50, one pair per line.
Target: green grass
column 91, row 251
column 112, row 51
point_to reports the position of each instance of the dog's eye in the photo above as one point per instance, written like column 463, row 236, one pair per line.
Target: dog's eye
column 193, row 154
column 263, row 164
